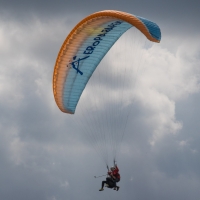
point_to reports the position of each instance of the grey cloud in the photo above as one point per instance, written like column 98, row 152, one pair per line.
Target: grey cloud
column 179, row 15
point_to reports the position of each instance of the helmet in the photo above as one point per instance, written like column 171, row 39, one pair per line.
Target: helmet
column 112, row 168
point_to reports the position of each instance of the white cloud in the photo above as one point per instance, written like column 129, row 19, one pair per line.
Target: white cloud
column 168, row 78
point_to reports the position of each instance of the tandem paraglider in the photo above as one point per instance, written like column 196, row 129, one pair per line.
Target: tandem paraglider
column 79, row 57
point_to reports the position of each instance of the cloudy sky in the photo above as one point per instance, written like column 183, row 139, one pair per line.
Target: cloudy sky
column 46, row 155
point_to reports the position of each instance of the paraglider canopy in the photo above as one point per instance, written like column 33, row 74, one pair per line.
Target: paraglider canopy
column 84, row 48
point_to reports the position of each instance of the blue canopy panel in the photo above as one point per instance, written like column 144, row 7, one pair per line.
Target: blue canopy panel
column 152, row 27
column 87, row 59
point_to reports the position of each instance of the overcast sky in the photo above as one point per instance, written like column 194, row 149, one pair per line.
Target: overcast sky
column 45, row 154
